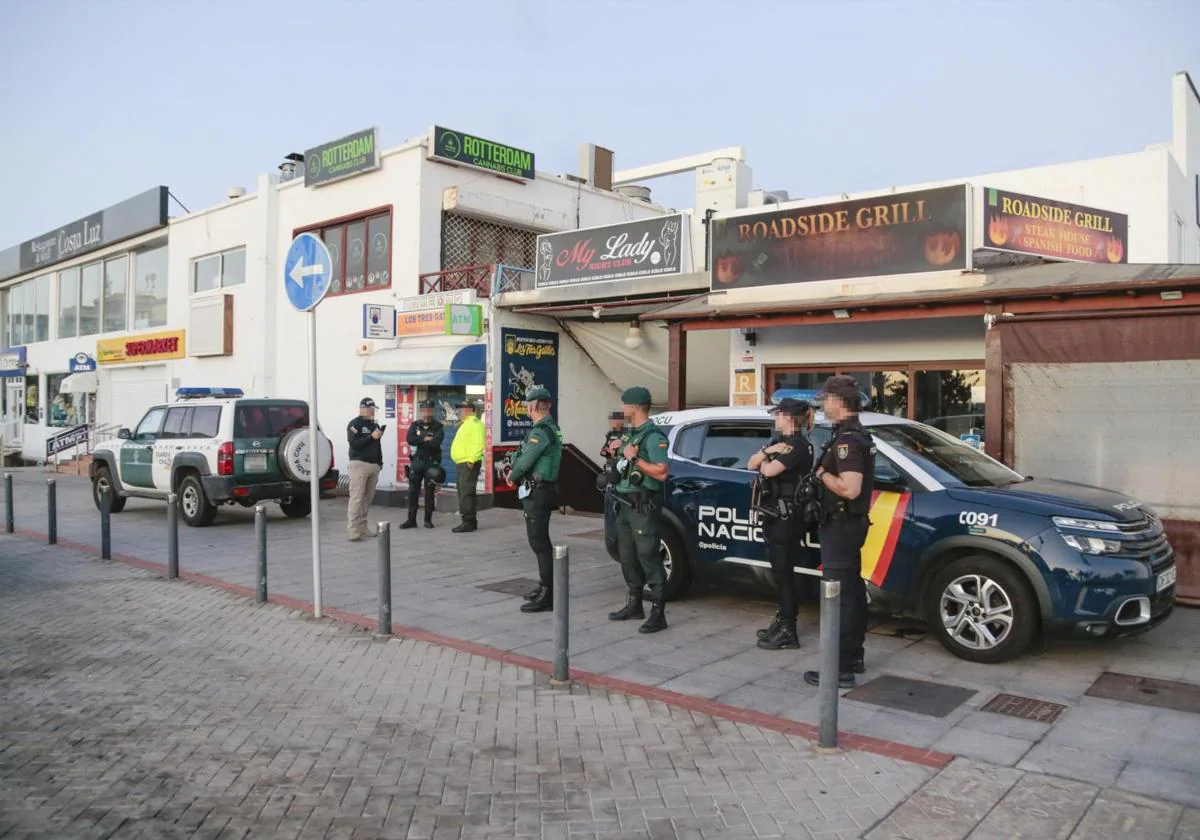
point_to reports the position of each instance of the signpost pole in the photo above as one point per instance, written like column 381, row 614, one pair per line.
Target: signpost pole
column 314, row 483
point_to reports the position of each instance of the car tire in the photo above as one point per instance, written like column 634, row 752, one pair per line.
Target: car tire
column 102, row 478
column 296, row 507
column 677, row 563
column 982, row 609
column 194, row 507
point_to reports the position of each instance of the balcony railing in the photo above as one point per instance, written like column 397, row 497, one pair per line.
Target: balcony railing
column 486, row 280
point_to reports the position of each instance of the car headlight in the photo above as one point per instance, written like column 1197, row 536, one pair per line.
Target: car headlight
column 1084, row 543
column 1091, row 545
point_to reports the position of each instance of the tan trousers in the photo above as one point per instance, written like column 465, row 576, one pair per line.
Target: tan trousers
column 363, row 478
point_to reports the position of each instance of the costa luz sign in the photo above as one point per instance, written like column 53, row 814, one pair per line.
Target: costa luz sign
column 625, row 251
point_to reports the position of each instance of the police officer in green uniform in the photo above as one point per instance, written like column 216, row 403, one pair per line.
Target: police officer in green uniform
column 643, row 471
column 535, row 473
column 424, row 439
column 847, row 475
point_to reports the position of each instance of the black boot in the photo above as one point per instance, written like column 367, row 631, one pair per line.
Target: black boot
column 429, row 521
column 632, row 609
column 858, row 666
column 534, row 594
column 409, row 523
column 657, row 620
column 784, row 637
column 542, row 603
column 770, row 629
column 845, row 679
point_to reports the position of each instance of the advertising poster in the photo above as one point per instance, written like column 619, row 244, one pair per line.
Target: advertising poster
column 488, row 477
column 645, row 248
column 903, row 233
column 1026, row 225
column 528, row 358
column 502, row 458
column 406, row 409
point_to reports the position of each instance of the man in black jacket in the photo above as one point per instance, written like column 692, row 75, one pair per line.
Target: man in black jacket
column 366, row 460
column 425, row 443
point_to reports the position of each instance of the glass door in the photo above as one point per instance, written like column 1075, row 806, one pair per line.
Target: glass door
column 14, row 411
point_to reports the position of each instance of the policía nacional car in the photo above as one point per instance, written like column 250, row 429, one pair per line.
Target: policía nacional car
column 988, row 557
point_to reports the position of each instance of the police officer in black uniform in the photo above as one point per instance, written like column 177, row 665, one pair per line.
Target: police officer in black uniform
column 780, row 465
column 425, row 443
column 847, row 475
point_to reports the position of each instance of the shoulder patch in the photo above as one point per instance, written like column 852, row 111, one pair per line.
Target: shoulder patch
column 533, row 440
column 843, row 450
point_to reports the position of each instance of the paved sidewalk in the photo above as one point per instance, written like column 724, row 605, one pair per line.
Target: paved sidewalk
column 138, row 707
column 462, row 586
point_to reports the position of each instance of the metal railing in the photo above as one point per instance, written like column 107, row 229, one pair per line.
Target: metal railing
column 511, row 278
column 486, row 280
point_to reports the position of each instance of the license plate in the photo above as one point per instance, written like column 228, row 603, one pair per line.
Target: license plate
column 1166, row 579
column 255, row 462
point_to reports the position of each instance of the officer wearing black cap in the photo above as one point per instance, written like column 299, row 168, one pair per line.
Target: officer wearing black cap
column 535, row 472
column 781, row 464
column 847, row 475
column 643, row 471
column 363, row 435
column 425, row 443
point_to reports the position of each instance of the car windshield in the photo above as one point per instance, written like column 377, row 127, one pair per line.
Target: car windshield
column 946, row 459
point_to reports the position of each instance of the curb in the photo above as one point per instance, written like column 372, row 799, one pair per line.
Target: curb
column 848, row 740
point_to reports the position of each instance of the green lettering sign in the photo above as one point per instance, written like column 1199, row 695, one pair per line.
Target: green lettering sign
column 352, row 155
column 469, row 150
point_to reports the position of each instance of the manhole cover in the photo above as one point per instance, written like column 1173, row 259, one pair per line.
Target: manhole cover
column 924, row 698
column 1145, row 691
column 1025, row 708
column 515, row 586
column 598, row 534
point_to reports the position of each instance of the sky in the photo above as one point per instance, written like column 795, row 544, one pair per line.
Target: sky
column 102, row 99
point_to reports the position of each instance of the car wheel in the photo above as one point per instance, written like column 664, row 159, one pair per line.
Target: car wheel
column 195, row 508
column 296, row 507
column 675, row 563
column 982, row 610
column 101, row 480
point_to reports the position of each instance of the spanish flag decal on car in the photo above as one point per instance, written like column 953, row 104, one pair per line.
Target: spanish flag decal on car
column 887, row 518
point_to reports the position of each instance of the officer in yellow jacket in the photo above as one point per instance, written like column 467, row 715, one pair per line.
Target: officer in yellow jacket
column 466, row 451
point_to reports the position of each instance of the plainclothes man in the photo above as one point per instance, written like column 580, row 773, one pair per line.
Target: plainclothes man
column 466, row 451
column 847, row 474
column 535, row 474
column 786, row 459
column 366, row 460
column 643, row 470
column 425, row 442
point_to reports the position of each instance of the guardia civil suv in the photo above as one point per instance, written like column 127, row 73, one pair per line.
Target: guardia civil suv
column 212, row 447
column 988, row 557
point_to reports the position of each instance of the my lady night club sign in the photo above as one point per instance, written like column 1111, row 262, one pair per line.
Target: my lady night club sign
column 645, row 248
column 528, row 358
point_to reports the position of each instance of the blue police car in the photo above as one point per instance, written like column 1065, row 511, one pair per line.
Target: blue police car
column 988, row 557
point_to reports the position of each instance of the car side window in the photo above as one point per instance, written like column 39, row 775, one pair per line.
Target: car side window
column 149, row 427
column 888, row 473
column 730, row 445
column 689, row 442
column 206, row 421
column 175, row 426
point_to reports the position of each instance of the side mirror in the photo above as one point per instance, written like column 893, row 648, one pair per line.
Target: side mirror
column 124, row 434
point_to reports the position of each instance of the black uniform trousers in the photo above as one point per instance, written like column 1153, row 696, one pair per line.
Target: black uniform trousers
column 841, row 560
column 783, row 550
column 537, row 507
column 416, row 477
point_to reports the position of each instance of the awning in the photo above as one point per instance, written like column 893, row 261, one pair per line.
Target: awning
column 428, row 365
column 83, row 382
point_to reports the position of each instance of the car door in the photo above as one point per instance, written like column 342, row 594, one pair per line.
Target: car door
column 710, row 487
column 137, row 453
column 171, row 441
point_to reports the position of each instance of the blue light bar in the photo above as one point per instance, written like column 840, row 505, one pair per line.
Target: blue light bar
column 197, row 393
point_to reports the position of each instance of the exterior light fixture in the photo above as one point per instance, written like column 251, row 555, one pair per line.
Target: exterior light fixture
column 750, row 336
column 634, row 338
column 841, row 314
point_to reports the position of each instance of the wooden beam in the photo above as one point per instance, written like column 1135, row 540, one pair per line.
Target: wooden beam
column 676, row 368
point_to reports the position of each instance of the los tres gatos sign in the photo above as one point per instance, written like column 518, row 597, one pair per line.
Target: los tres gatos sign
column 146, row 347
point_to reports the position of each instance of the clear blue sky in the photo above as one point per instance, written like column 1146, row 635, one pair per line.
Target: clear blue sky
column 101, row 100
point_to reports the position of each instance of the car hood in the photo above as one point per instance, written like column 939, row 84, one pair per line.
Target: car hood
column 1056, row 498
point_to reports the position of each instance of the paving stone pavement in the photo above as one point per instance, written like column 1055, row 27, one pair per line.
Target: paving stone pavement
column 709, row 651
column 139, row 707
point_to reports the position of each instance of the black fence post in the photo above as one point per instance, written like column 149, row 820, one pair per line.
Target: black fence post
column 562, row 617
column 51, row 511
column 172, row 536
column 827, row 694
column 260, row 535
column 105, row 523
column 383, row 545
column 8, row 504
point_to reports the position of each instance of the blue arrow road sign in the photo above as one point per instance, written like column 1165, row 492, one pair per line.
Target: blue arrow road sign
column 307, row 271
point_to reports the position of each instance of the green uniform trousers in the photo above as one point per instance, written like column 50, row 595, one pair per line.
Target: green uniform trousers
column 638, row 546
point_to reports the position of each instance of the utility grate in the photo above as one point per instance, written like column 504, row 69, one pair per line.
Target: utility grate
column 514, row 586
column 1147, row 691
column 1025, row 708
column 919, row 696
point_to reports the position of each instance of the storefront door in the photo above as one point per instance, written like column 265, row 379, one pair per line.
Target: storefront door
column 14, row 411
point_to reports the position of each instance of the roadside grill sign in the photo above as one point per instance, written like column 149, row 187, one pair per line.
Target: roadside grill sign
column 464, row 149
column 1024, row 224
column 645, row 248
column 351, row 155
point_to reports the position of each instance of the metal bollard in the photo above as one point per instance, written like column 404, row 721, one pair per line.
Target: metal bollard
column 8, row 504
column 51, row 511
column 172, row 536
column 562, row 617
column 383, row 545
column 827, row 694
column 105, row 523
column 260, row 538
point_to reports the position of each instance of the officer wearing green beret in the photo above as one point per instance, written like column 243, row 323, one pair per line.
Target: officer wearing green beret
column 643, row 470
column 535, row 473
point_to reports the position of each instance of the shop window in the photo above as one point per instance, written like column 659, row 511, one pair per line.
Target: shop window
column 950, row 400
column 89, row 299
column 150, row 288
column 68, row 303
column 61, row 408
column 218, row 271
column 467, row 241
column 731, row 445
column 797, row 380
column 361, row 250
column 27, row 312
column 116, row 294
column 887, row 391
column 31, row 399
